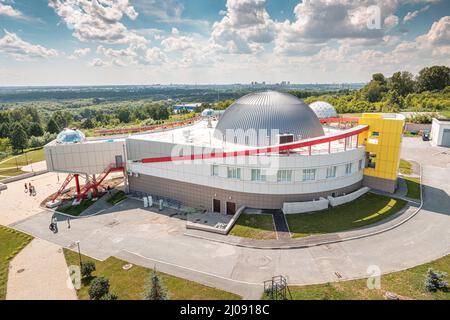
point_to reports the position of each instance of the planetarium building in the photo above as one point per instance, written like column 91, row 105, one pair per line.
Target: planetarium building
column 267, row 149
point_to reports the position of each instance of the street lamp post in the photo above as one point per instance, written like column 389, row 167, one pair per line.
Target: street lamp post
column 79, row 252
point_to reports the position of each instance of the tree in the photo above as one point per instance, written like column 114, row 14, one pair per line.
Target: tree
column 99, row 287
column 435, row 280
column 124, row 115
column 52, row 126
column 62, row 118
column 4, row 130
column 373, row 91
column 402, row 82
column 433, row 78
column 35, row 129
column 88, row 124
column 110, row 296
column 155, row 288
column 87, row 268
column 19, row 137
column 379, row 77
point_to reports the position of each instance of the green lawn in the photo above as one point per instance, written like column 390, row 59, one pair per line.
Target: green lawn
column 117, row 197
column 130, row 284
column 413, row 185
column 367, row 209
column 407, row 283
column 11, row 166
column 256, row 226
column 76, row 210
column 405, row 167
column 24, row 159
column 11, row 242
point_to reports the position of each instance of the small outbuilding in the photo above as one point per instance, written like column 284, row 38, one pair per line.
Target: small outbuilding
column 440, row 132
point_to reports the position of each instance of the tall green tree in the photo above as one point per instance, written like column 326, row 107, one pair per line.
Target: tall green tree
column 433, row 78
column 52, row 126
column 19, row 137
column 402, row 82
column 35, row 129
column 155, row 288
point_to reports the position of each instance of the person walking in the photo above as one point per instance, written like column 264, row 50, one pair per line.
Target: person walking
column 26, row 188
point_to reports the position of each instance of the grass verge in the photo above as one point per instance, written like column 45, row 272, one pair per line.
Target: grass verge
column 76, row 210
column 11, row 242
column 407, row 283
column 130, row 284
column 366, row 210
column 405, row 167
column 24, row 159
column 413, row 185
column 117, row 197
column 256, row 226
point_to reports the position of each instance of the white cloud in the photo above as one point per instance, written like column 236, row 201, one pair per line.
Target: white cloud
column 78, row 53
column 12, row 45
column 413, row 14
column 98, row 63
column 245, row 27
column 439, row 33
column 177, row 43
column 155, row 56
column 169, row 11
column 98, row 20
column 9, row 11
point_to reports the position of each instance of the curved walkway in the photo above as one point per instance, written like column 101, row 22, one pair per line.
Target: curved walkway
column 294, row 243
column 145, row 237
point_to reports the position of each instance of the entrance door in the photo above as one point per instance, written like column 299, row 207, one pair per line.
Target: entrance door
column 216, row 205
column 446, row 138
column 231, row 208
column 119, row 161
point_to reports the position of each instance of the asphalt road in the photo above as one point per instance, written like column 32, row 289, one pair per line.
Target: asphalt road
column 150, row 239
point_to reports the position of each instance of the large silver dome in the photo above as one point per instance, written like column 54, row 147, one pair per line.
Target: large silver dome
column 270, row 110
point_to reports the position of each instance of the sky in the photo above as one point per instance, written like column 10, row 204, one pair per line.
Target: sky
column 104, row 42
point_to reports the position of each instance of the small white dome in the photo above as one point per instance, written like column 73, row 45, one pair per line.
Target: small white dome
column 323, row 110
column 207, row 113
column 70, row 136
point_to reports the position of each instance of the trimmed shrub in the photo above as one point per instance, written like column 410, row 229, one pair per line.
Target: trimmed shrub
column 99, row 287
column 435, row 281
column 87, row 268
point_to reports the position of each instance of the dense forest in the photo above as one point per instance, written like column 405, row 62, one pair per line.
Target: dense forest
column 33, row 122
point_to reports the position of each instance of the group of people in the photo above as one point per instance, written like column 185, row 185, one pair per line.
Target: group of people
column 30, row 189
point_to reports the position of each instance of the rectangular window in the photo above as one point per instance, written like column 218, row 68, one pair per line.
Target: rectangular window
column 348, row 168
column 360, row 165
column 331, row 172
column 234, row 173
column 258, row 175
column 215, row 170
column 371, row 160
column 309, row 174
column 284, row 175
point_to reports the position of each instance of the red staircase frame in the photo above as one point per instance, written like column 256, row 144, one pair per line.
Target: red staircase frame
column 63, row 186
column 93, row 184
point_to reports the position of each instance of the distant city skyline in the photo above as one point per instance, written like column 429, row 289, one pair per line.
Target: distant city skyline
column 144, row 42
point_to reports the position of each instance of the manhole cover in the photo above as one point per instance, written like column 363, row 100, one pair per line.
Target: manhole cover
column 20, row 270
column 127, row 266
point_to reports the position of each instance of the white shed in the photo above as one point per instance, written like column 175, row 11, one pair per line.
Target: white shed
column 440, row 132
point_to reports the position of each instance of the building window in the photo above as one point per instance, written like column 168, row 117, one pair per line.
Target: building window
column 215, row 170
column 234, row 173
column 371, row 160
column 331, row 172
column 348, row 168
column 258, row 175
column 360, row 165
column 309, row 174
column 284, row 175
